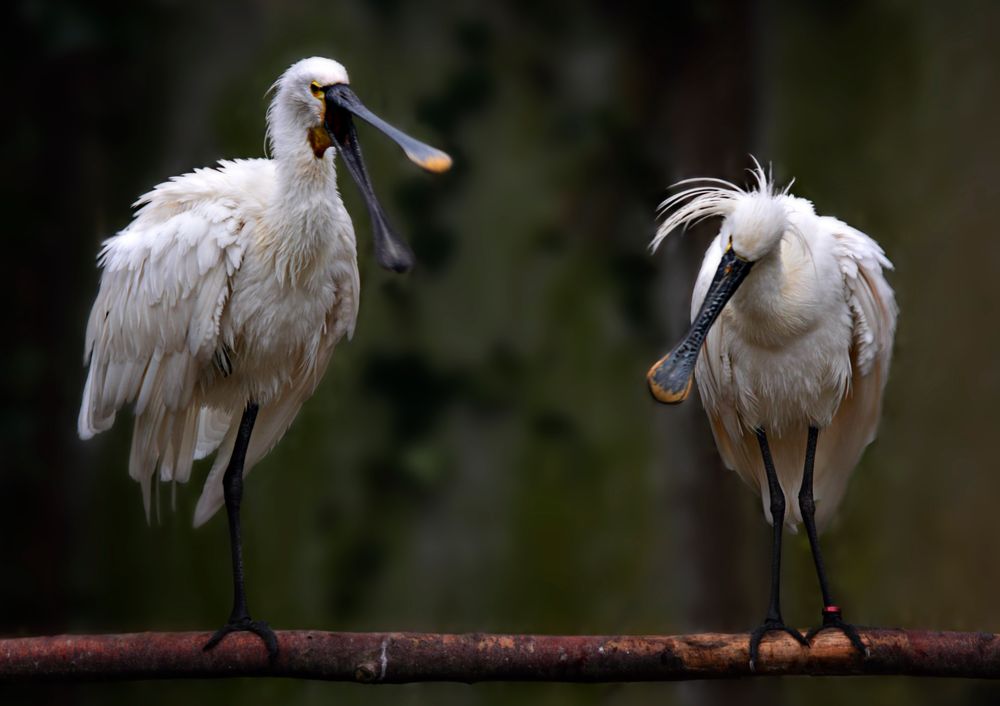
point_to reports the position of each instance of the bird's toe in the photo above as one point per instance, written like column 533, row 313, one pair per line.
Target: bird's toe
column 770, row 625
column 833, row 620
column 258, row 627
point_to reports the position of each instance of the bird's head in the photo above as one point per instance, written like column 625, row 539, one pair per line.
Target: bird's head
column 300, row 101
column 754, row 222
column 315, row 107
column 755, row 226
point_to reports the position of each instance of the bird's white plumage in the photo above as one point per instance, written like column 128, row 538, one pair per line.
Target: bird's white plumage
column 805, row 340
column 230, row 284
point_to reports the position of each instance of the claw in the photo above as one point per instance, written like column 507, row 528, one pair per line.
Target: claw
column 833, row 620
column 258, row 627
column 770, row 625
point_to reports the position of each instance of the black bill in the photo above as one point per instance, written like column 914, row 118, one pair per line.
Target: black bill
column 391, row 251
column 670, row 377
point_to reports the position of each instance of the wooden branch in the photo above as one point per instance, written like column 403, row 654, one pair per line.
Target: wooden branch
column 412, row 657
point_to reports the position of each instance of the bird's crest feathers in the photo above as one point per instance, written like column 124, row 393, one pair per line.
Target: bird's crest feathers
column 706, row 197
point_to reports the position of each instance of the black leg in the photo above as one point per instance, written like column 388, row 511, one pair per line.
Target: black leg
column 773, row 621
column 832, row 618
column 232, row 481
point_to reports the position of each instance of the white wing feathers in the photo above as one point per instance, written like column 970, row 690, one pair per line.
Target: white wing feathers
column 873, row 310
column 873, row 305
column 155, row 322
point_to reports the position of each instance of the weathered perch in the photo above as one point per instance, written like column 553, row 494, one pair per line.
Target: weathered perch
column 393, row 658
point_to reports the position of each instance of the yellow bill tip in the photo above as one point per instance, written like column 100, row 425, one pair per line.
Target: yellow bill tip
column 662, row 394
column 437, row 162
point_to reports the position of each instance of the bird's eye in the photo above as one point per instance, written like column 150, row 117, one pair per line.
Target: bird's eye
column 317, row 90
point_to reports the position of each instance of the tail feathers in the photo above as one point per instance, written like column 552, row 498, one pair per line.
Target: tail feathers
column 213, row 425
column 143, row 458
column 842, row 443
column 165, row 445
column 741, row 452
column 838, row 451
column 162, row 442
column 216, row 431
column 272, row 423
column 836, row 455
column 179, row 454
column 789, row 454
column 212, row 495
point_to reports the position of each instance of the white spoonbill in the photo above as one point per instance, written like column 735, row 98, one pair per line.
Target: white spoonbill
column 221, row 302
column 794, row 321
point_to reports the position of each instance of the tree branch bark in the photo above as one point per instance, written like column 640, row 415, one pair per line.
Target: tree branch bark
column 394, row 658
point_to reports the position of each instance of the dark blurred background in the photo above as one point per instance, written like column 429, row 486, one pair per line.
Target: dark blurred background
column 484, row 454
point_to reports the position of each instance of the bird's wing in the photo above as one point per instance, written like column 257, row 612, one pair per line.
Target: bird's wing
column 873, row 313
column 154, row 327
column 276, row 416
column 872, row 303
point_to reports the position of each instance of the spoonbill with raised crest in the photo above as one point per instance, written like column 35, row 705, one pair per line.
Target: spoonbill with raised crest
column 790, row 340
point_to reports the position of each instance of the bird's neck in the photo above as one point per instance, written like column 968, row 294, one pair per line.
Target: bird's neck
column 777, row 301
column 308, row 218
column 306, row 183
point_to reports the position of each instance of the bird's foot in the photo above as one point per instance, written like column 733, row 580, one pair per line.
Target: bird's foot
column 833, row 620
column 245, row 624
column 771, row 624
